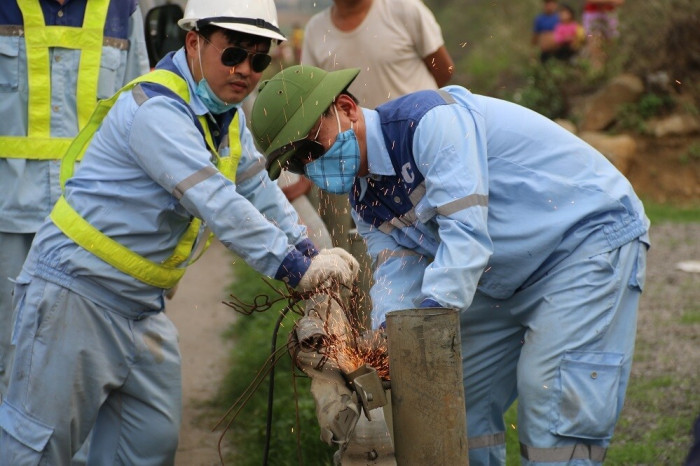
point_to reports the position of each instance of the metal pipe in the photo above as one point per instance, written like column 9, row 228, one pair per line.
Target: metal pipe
column 427, row 392
column 359, row 250
column 335, row 212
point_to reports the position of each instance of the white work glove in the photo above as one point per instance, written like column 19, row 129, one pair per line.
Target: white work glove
column 329, row 265
column 348, row 258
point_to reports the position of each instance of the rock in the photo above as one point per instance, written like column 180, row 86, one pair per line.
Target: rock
column 566, row 124
column 619, row 149
column 689, row 266
column 679, row 124
column 659, row 81
column 602, row 107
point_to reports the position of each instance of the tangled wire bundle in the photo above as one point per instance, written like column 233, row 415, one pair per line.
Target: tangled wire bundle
column 329, row 331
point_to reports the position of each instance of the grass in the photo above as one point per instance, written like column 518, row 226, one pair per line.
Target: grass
column 645, row 434
column 672, row 213
column 691, row 317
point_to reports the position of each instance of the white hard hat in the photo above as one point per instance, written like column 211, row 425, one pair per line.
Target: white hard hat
column 256, row 17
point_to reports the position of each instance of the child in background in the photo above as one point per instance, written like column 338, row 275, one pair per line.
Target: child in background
column 543, row 29
column 600, row 23
column 568, row 34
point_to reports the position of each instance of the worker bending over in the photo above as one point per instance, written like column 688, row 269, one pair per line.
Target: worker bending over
column 478, row 204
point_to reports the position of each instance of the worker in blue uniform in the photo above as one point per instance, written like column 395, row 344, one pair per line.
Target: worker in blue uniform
column 163, row 159
column 56, row 59
column 479, row 204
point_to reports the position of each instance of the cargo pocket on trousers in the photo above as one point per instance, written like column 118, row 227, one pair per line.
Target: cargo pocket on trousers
column 22, row 439
column 587, row 395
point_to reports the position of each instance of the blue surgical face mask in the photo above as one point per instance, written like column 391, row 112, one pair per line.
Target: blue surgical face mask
column 206, row 94
column 210, row 100
column 335, row 170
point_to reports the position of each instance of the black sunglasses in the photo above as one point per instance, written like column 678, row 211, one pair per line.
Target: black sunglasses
column 232, row 56
column 305, row 151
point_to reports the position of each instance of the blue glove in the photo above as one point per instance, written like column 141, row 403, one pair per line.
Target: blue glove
column 306, row 247
column 427, row 302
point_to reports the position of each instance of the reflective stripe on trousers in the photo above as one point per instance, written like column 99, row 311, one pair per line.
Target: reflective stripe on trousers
column 579, row 451
column 484, row 441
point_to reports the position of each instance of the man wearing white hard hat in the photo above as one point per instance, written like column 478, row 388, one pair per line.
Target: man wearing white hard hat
column 166, row 156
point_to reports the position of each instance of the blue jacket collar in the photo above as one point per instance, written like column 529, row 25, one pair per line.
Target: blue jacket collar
column 378, row 159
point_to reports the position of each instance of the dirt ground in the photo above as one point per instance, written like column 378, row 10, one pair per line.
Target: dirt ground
column 200, row 317
column 666, row 344
column 667, row 170
column 668, row 339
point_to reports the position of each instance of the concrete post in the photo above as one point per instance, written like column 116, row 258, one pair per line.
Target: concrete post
column 427, row 392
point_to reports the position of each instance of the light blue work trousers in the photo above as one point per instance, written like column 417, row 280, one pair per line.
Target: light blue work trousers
column 14, row 248
column 563, row 347
column 79, row 366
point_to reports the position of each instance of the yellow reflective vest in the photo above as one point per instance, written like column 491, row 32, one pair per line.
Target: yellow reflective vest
column 39, row 38
column 167, row 273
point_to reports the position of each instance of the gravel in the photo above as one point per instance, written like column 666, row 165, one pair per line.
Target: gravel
column 663, row 391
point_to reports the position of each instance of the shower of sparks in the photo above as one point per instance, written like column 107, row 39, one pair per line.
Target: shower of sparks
column 354, row 353
column 344, row 342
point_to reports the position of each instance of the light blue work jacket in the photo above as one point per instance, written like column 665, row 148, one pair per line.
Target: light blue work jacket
column 30, row 187
column 507, row 195
column 136, row 185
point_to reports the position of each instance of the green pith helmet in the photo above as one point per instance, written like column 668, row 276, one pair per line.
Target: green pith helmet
column 289, row 104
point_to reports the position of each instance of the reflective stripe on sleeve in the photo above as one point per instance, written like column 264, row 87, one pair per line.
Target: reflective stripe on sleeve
column 256, row 168
column 139, row 95
column 193, row 179
column 447, row 96
column 579, row 451
column 463, row 203
column 410, row 217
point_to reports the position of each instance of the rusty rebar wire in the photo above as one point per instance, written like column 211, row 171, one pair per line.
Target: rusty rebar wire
column 243, row 399
column 264, row 302
column 297, row 420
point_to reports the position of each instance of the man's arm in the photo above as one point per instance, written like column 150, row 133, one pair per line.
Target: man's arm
column 175, row 157
column 253, row 183
column 420, row 23
column 450, row 147
column 297, row 189
column 440, row 65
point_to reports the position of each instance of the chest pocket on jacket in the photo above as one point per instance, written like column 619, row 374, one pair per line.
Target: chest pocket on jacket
column 9, row 64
